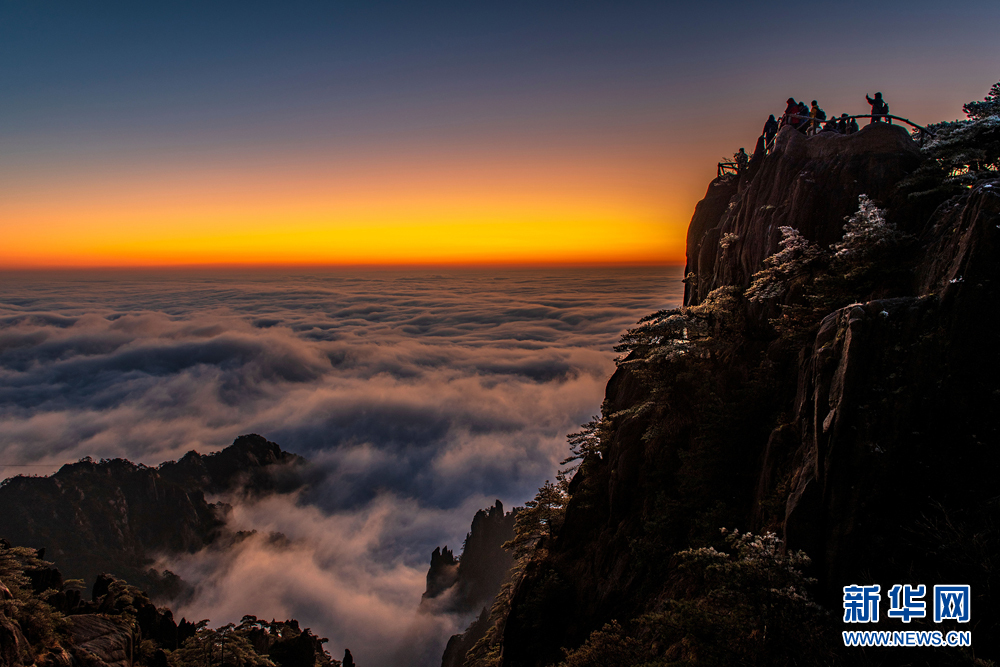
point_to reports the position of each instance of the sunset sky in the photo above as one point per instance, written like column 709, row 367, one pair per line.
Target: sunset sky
column 342, row 132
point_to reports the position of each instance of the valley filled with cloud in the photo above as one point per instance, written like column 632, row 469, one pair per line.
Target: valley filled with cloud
column 418, row 397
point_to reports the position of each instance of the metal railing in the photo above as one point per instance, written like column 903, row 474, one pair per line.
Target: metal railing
column 923, row 131
column 728, row 168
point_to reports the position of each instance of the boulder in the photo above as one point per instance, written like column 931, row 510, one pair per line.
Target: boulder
column 101, row 641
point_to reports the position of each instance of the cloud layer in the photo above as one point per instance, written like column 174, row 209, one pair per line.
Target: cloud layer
column 421, row 397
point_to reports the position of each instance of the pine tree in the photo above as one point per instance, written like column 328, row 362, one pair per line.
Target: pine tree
column 990, row 106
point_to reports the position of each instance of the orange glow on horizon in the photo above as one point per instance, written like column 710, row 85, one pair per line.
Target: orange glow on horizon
column 586, row 242
column 316, row 214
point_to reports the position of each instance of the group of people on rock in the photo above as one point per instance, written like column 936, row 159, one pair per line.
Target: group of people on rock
column 809, row 120
column 803, row 118
column 812, row 120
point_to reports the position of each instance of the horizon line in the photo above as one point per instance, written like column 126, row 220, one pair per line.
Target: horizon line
column 274, row 266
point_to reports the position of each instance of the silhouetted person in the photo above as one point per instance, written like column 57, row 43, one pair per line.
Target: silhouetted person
column 741, row 160
column 830, row 125
column 791, row 109
column 803, row 113
column 759, row 150
column 842, row 124
column 815, row 116
column 852, row 126
column 879, row 108
column 348, row 660
column 770, row 129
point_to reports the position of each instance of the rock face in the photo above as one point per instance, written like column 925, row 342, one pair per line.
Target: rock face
column 870, row 441
column 470, row 584
column 901, row 389
column 807, row 183
column 105, row 642
column 112, row 515
column 443, row 573
column 473, row 581
column 14, row 648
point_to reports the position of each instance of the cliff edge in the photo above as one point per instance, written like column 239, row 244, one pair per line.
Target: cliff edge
column 820, row 413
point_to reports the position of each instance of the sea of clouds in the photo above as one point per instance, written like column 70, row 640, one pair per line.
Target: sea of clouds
column 418, row 396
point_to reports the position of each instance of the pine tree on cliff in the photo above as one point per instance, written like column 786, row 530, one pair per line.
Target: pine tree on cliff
column 990, row 106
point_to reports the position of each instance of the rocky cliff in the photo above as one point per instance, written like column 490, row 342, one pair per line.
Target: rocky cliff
column 113, row 515
column 470, row 584
column 850, row 410
column 810, row 183
column 47, row 622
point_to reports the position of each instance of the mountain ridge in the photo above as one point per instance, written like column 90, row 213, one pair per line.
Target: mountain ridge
column 114, row 515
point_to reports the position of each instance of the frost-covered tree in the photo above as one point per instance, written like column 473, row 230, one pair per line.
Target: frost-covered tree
column 608, row 646
column 538, row 519
column 748, row 604
column 850, row 270
column 862, row 259
column 793, row 260
column 865, row 233
column 990, row 106
column 751, row 605
column 663, row 333
column 961, row 152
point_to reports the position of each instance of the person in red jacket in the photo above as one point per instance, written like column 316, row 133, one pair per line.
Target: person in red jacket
column 791, row 109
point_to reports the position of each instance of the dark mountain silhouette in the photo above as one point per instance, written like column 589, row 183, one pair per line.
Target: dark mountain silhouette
column 467, row 584
column 847, row 404
column 113, row 515
column 471, row 584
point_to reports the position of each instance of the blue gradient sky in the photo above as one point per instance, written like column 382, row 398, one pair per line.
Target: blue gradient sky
column 130, row 131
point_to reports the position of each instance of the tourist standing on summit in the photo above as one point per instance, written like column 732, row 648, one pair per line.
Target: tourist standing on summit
column 879, row 108
column 790, row 110
column 803, row 113
column 742, row 159
column 770, row 129
column 815, row 116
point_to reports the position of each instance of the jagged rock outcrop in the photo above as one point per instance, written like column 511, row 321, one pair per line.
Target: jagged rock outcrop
column 703, row 232
column 810, row 183
column 471, row 583
column 867, row 439
column 251, row 465
column 112, row 515
column 443, row 572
